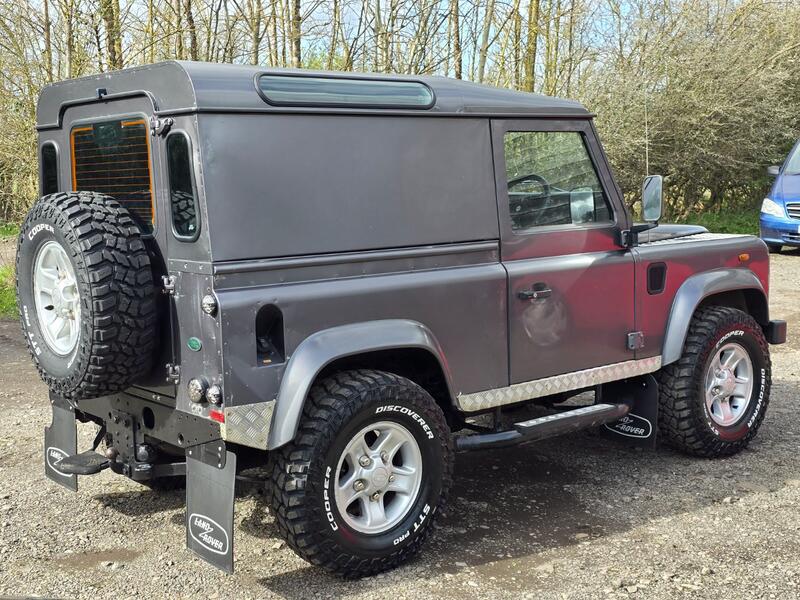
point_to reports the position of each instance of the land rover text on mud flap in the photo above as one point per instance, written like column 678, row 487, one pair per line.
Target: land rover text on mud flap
column 345, row 279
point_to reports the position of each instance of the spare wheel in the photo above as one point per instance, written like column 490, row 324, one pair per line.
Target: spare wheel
column 85, row 294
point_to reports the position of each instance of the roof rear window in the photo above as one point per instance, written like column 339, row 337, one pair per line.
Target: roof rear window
column 302, row 90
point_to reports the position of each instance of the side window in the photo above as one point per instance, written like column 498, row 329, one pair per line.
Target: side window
column 181, row 187
column 552, row 181
column 113, row 158
column 49, row 169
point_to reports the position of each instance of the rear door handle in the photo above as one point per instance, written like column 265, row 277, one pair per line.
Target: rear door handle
column 537, row 292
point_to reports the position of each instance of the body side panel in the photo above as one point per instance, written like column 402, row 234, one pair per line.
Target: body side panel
column 345, row 184
column 696, row 267
column 459, row 297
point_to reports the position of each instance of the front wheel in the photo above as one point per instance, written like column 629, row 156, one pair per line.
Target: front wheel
column 714, row 398
column 358, row 489
column 774, row 248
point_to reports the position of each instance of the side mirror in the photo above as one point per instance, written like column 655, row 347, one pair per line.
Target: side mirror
column 652, row 198
column 773, row 171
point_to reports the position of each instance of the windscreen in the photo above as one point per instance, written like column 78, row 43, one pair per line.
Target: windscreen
column 793, row 162
column 113, row 158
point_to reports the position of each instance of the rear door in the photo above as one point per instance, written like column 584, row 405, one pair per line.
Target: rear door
column 111, row 151
column 570, row 283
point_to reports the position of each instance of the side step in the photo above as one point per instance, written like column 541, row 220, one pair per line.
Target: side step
column 549, row 426
column 85, row 463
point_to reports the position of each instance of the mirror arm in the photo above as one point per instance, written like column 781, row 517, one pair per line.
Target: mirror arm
column 629, row 238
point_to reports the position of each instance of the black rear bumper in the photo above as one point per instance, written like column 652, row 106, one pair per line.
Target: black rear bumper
column 133, row 423
column 775, row 331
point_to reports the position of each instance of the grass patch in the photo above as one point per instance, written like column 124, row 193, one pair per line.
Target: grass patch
column 8, row 230
column 8, row 297
column 741, row 221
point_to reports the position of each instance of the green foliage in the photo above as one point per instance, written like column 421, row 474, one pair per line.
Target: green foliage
column 8, row 299
column 728, row 221
column 8, row 302
column 704, row 92
column 8, row 230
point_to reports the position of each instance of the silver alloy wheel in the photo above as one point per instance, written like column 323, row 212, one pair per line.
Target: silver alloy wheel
column 729, row 384
column 56, row 298
column 378, row 477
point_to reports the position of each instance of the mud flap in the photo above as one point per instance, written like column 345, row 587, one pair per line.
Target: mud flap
column 60, row 441
column 640, row 426
column 210, row 485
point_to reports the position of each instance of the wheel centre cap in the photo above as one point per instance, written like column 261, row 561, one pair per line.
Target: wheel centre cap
column 727, row 382
column 379, row 477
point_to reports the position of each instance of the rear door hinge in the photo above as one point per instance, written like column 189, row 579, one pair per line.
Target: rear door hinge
column 173, row 373
column 160, row 126
column 168, row 283
column 635, row 340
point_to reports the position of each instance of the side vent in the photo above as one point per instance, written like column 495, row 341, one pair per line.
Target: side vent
column 269, row 335
column 656, row 278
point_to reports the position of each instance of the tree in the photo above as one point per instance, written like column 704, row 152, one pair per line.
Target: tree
column 717, row 78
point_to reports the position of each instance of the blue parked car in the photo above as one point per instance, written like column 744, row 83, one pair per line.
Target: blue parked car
column 780, row 211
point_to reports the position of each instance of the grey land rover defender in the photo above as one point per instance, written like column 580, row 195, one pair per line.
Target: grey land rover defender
column 346, row 279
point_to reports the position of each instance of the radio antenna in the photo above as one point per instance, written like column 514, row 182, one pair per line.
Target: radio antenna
column 646, row 136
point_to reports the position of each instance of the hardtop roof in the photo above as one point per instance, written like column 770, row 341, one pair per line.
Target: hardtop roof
column 186, row 87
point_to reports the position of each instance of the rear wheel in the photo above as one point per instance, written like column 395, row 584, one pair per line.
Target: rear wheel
column 358, row 489
column 714, row 398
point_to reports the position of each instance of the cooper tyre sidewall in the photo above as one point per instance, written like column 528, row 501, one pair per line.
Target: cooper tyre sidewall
column 37, row 231
column 739, row 334
column 421, row 513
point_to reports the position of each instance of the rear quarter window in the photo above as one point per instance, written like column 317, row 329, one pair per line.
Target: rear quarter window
column 49, row 158
column 182, row 196
column 113, row 158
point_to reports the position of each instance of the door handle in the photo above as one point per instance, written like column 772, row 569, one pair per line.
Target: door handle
column 537, row 292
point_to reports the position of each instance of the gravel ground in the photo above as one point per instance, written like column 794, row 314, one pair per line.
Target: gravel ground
column 575, row 517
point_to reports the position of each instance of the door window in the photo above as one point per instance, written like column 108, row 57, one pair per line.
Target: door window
column 552, row 181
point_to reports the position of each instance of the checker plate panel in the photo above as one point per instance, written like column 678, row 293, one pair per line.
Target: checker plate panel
column 547, row 386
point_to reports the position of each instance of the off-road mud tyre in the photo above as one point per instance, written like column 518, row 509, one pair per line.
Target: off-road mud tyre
column 117, row 323
column 184, row 214
column 684, row 419
column 302, row 472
